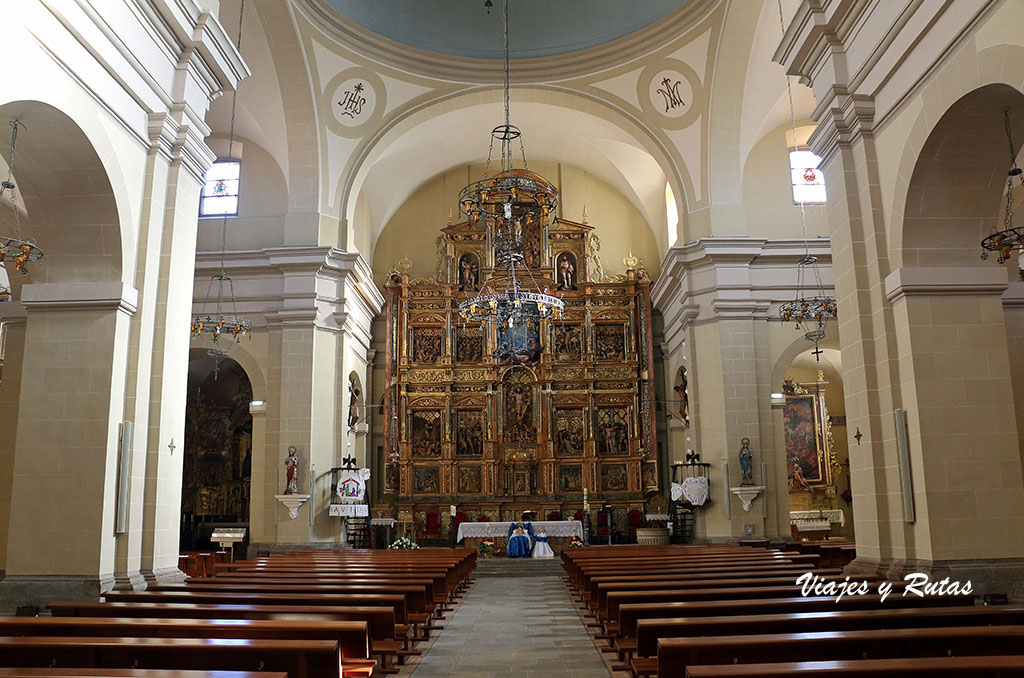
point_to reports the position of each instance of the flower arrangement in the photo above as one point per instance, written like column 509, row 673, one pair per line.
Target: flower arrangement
column 576, row 543
column 487, row 547
column 404, row 543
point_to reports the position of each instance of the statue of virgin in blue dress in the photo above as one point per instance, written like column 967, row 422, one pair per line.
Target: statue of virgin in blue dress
column 519, row 540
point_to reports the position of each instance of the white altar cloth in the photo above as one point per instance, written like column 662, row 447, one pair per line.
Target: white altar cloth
column 554, row 528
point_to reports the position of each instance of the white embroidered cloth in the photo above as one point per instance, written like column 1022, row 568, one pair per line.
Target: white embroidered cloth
column 554, row 528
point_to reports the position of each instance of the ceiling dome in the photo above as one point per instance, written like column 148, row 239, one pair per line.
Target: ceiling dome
column 537, row 28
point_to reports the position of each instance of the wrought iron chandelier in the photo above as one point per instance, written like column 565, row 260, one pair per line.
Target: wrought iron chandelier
column 1009, row 239
column 812, row 307
column 219, row 322
column 512, row 200
column 22, row 252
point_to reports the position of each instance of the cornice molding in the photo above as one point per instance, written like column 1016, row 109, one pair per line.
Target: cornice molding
column 535, row 70
column 941, row 281
column 80, row 296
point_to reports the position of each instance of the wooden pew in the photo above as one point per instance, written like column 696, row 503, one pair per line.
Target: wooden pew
column 352, row 636
column 1004, row 666
column 18, row 672
column 397, row 601
column 649, row 631
column 388, row 640
column 297, row 658
column 616, row 582
column 676, row 654
column 631, row 612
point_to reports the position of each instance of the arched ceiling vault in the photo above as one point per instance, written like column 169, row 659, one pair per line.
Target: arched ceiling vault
column 460, row 137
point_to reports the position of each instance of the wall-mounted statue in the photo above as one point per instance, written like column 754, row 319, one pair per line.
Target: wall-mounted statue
column 684, row 397
column 291, row 468
column 353, row 402
column 565, row 269
column 469, row 272
column 746, row 463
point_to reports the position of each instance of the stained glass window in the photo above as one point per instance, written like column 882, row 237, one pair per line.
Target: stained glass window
column 808, row 180
column 220, row 192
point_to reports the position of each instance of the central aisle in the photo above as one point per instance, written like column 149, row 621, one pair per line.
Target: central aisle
column 517, row 621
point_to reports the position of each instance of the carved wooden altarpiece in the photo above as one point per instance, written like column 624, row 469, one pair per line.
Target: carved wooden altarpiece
column 468, row 427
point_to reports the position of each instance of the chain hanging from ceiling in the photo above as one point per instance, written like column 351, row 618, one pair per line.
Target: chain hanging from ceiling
column 812, row 307
column 219, row 321
column 22, row 252
column 1008, row 240
column 512, row 200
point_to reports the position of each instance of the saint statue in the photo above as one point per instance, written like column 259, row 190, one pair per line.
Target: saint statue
column 291, row 467
column 566, row 272
column 684, row 398
column 519, row 545
column 541, row 549
column 353, row 404
column 746, row 463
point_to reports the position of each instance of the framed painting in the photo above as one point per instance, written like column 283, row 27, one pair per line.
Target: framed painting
column 425, row 426
column 610, row 342
column 426, row 480
column 806, row 442
column 570, row 478
column 570, row 432
column 469, row 480
column 614, row 478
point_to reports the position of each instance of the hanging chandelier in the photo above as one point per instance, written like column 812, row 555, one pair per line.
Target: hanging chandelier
column 512, row 200
column 219, row 322
column 22, row 252
column 812, row 307
column 1009, row 239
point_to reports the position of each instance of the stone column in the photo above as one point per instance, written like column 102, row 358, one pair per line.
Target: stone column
column 64, row 488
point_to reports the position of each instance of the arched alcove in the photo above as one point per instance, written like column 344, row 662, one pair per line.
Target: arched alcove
column 218, row 451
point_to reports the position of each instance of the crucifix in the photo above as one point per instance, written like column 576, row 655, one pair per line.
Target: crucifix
column 817, row 353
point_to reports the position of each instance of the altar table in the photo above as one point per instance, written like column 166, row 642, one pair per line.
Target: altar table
column 554, row 528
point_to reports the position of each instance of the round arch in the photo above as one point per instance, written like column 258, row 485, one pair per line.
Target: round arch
column 986, row 70
column 626, row 141
column 66, row 189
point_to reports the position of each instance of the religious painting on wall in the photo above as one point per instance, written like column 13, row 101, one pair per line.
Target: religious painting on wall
column 469, row 272
column 565, row 271
column 469, row 344
column 805, row 461
column 469, row 480
column 425, row 426
column 426, row 480
column 649, row 475
column 613, row 477
column 427, row 344
column 521, row 482
column 520, row 344
column 570, row 426
column 518, row 422
column 568, row 342
column 610, row 342
column 611, row 429
column 469, row 433
column 570, row 478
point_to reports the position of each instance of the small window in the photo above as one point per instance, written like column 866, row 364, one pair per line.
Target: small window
column 220, row 192
column 808, row 180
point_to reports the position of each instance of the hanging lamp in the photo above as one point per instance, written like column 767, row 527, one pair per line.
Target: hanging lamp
column 812, row 307
column 513, row 200
column 21, row 252
column 224, row 318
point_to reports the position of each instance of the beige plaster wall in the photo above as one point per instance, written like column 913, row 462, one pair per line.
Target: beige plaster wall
column 768, row 194
column 262, row 204
column 414, row 228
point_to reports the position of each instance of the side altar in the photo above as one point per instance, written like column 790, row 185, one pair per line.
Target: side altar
column 503, row 418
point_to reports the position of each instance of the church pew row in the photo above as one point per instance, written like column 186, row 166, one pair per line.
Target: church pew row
column 677, row 655
column 1005, row 666
column 600, row 585
column 387, row 640
column 653, row 631
column 70, row 672
column 297, row 658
